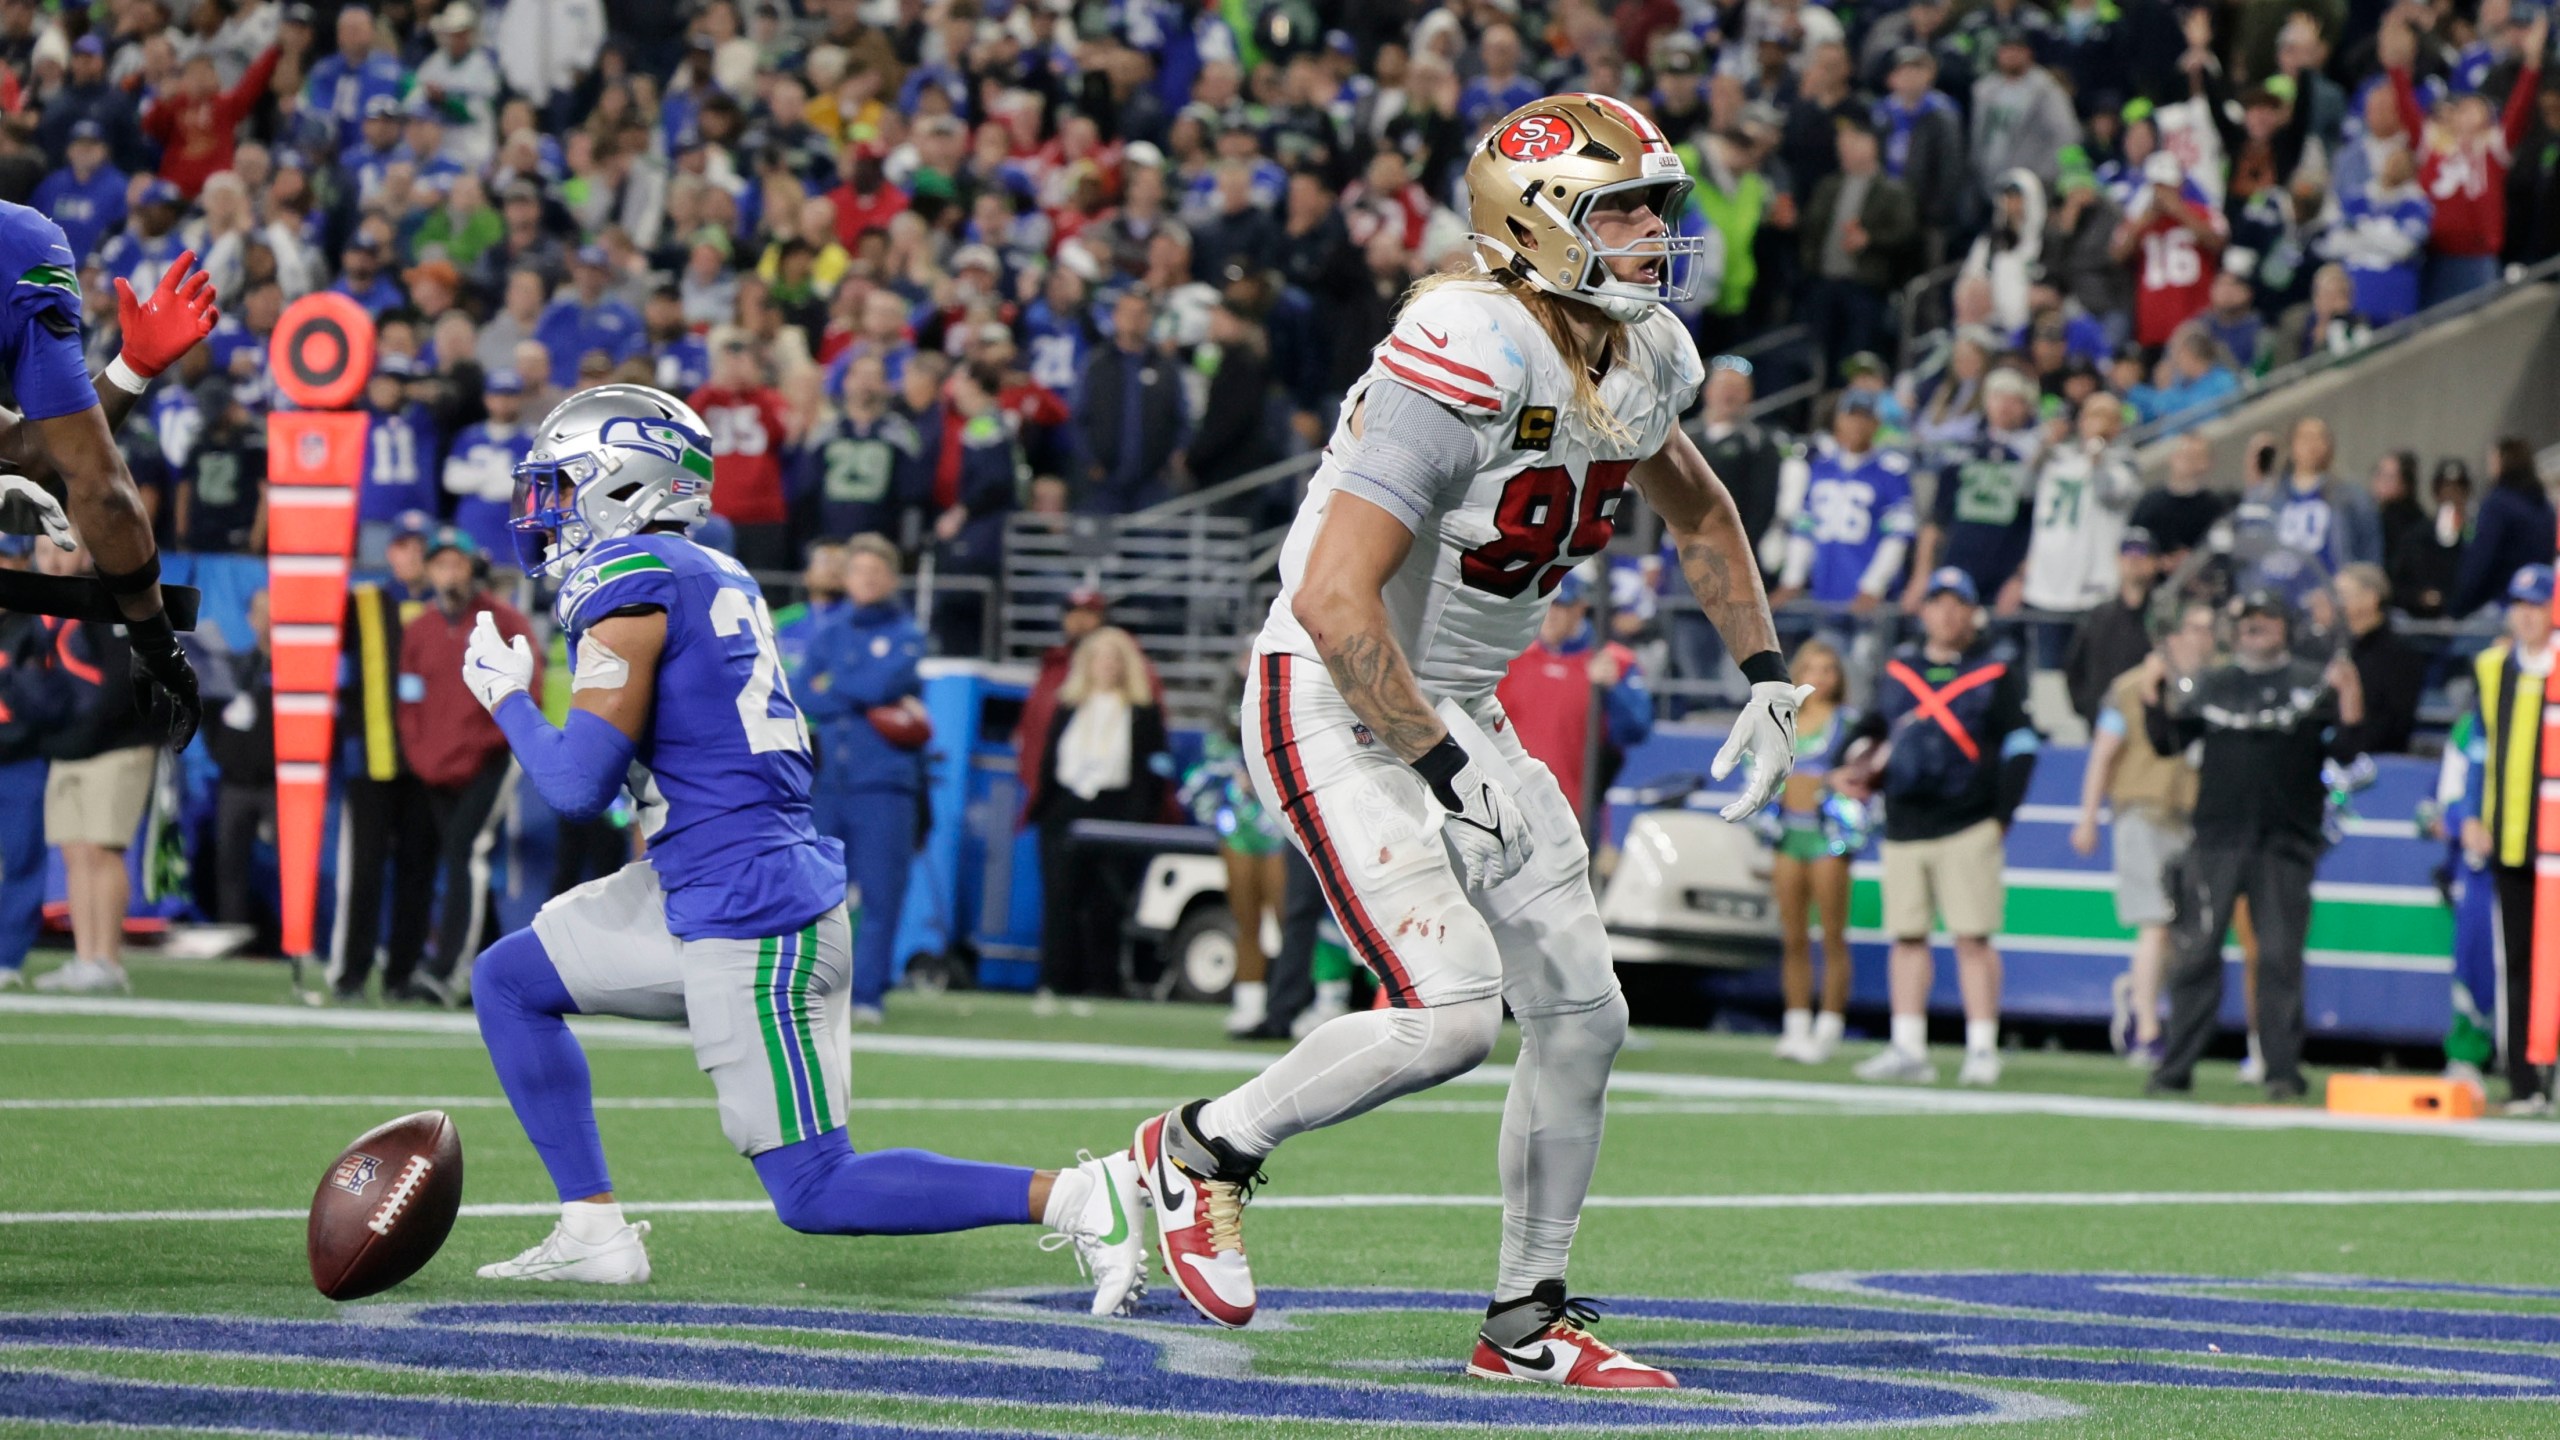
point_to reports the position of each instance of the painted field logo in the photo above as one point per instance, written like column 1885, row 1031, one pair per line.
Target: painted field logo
column 1856, row 1350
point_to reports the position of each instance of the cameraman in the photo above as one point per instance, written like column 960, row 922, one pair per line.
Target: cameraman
column 2267, row 721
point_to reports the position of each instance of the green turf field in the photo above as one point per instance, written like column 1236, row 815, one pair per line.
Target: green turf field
column 2057, row 1259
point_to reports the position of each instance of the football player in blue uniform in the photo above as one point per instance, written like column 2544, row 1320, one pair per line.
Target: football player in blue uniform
column 67, row 435
column 736, row 920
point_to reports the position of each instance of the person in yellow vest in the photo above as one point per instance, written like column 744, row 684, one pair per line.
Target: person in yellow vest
column 2513, row 675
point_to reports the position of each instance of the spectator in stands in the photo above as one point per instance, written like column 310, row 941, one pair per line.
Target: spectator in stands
column 2394, row 488
column 1858, row 227
column 752, row 433
column 98, row 788
column 87, row 94
column 1923, row 136
column 2194, row 374
column 387, row 829
column 1734, row 198
column 2173, row 237
column 457, row 752
column 865, row 466
column 197, row 124
column 2079, row 238
column 862, row 658
column 2152, row 796
column 2232, row 317
column 1810, row 870
column 1548, row 693
column 2267, row 721
column 2318, row 514
column 479, row 471
column 1746, row 456
column 2112, row 637
column 822, row 582
column 2392, row 672
column 1982, row 513
column 1946, row 407
column 2327, row 324
column 35, row 698
column 241, row 738
column 2511, row 676
column 588, row 319
column 2380, row 236
column 86, row 197
column 1846, row 546
column 1130, row 414
column 2514, row 528
column 1961, row 749
column 2021, row 117
column 1099, row 761
column 2010, row 254
column 2083, row 487
column 2431, row 563
column 2464, row 158
column 222, row 483
column 1234, row 434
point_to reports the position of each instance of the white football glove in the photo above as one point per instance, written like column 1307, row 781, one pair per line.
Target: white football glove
column 25, row 509
column 1764, row 734
column 495, row 667
column 1487, row 835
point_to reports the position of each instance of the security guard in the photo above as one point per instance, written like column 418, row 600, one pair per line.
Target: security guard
column 863, row 657
column 2514, row 676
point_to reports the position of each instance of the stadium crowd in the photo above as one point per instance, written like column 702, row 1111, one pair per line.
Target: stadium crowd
column 924, row 263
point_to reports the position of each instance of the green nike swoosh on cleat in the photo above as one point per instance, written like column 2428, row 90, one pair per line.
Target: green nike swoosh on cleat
column 1119, row 1217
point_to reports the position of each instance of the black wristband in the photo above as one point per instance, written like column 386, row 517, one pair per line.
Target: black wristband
column 1441, row 763
column 152, row 634
column 1767, row 667
column 134, row 582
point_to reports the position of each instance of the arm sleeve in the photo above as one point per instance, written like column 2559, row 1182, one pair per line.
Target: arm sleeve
column 1886, row 564
column 2019, row 744
column 870, row 680
column 1411, row 451
column 578, row 768
column 1799, row 566
column 2520, row 102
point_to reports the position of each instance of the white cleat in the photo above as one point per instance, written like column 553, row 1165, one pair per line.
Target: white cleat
column 1798, row 1048
column 1109, row 1236
column 86, row 977
column 1894, row 1065
column 13, row 978
column 1827, row 1028
column 618, row 1259
column 1981, row 1067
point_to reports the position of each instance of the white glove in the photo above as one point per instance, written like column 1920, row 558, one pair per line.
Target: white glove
column 495, row 667
column 25, row 509
column 1765, row 735
column 1487, row 835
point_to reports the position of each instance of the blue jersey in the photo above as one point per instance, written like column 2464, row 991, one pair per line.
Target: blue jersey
column 1852, row 506
column 479, row 473
column 736, row 852
column 1054, row 347
column 378, row 297
column 400, row 471
column 177, row 420
column 680, row 366
column 367, row 166
column 87, row 210
column 339, row 90
column 569, row 330
column 40, row 346
column 139, row 258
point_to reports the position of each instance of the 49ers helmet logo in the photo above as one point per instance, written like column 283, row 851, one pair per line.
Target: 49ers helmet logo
column 1535, row 137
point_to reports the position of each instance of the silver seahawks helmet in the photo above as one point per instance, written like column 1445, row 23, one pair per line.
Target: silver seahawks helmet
column 608, row 462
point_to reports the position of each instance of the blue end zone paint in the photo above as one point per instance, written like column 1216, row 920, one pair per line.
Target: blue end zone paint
column 1939, row 1348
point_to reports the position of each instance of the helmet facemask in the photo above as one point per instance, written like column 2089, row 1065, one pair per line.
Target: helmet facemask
column 597, row 475
column 1543, row 174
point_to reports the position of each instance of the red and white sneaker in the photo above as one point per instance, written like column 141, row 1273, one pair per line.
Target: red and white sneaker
column 1562, row 1351
column 1198, row 1188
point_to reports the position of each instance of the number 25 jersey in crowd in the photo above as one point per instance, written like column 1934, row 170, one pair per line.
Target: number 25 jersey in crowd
column 1545, row 493
column 726, row 747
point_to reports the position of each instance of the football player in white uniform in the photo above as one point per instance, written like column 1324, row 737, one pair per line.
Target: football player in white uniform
column 1483, row 455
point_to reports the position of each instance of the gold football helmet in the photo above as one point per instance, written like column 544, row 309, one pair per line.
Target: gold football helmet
column 1535, row 179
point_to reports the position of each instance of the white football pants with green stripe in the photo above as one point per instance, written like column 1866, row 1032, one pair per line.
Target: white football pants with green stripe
column 771, row 1018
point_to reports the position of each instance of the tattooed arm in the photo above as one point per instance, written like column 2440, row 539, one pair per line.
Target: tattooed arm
column 1715, row 554
column 1341, row 602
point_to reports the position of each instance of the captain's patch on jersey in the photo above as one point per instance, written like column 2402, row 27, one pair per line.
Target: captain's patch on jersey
column 1537, row 428
column 1535, row 137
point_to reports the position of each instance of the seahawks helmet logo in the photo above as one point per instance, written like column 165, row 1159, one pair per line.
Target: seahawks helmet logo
column 665, row 439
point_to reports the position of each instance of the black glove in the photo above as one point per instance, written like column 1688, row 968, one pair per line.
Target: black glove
column 164, row 684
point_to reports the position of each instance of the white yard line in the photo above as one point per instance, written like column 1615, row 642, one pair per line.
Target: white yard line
column 1912, row 1200
column 1898, row 1100
column 884, row 1103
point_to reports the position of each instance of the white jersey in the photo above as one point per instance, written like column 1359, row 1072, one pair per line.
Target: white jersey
column 2082, row 500
column 1546, row 490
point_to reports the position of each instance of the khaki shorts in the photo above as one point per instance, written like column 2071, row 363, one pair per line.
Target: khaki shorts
column 100, row 800
column 1958, row 877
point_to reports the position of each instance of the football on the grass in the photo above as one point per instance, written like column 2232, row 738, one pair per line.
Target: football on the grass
column 385, row 1205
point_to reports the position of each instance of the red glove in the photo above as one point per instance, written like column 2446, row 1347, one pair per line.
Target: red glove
column 177, row 317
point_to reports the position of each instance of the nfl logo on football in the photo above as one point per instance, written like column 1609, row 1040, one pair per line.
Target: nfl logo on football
column 354, row 1173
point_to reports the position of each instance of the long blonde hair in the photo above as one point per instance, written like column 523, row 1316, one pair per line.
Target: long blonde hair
column 1081, row 684
column 1552, row 317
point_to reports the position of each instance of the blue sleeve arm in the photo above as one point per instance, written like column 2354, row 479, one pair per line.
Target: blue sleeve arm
column 52, row 378
column 1629, row 704
column 579, row 768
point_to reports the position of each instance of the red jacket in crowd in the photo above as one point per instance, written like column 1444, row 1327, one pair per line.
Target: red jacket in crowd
column 2468, row 181
column 445, row 735
column 749, row 429
column 197, row 135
